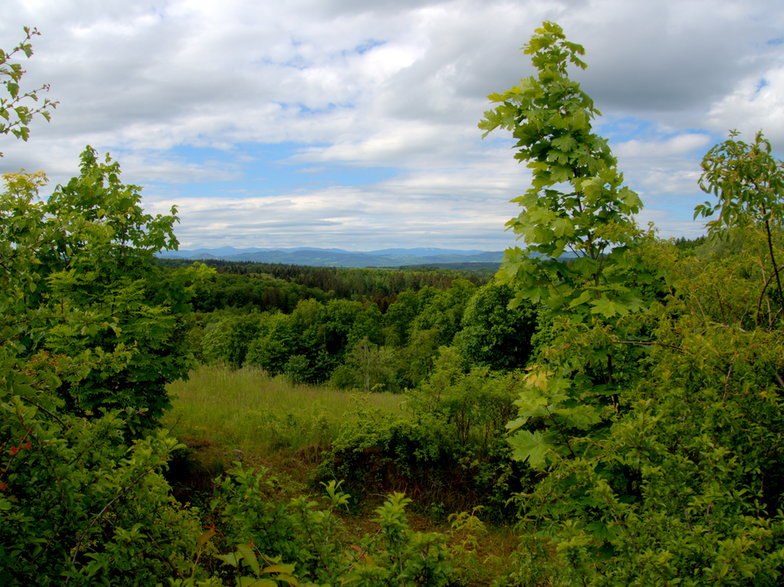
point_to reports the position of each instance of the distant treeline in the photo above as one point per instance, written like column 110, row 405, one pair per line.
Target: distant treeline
column 270, row 286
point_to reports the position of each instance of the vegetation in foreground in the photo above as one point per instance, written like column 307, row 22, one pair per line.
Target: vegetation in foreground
column 634, row 435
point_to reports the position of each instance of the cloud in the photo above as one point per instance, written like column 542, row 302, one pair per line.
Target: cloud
column 678, row 145
column 672, row 58
column 754, row 104
column 402, row 210
column 354, row 85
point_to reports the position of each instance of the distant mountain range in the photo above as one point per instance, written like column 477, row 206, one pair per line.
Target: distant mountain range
column 339, row 258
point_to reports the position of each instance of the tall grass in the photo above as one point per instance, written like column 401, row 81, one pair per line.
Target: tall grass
column 247, row 410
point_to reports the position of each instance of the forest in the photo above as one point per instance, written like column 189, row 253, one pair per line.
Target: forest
column 606, row 409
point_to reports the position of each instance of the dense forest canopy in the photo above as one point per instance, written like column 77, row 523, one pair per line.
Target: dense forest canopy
column 620, row 408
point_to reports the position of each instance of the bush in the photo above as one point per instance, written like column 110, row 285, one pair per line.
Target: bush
column 248, row 510
column 423, row 456
column 79, row 505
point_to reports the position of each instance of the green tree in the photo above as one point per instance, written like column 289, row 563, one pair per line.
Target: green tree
column 443, row 310
column 493, row 334
column 371, row 364
column 749, row 185
column 78, row 504
column 229, row 339
column 79, row 282
column 400, row 316
column 415, row 360
column 685, row 485
column 16, row 113
column 653, row 434
column 577, row 204
column 277, row 341
column 87, row 322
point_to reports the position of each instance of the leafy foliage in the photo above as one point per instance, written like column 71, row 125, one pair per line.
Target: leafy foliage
column 684, row 485
column 266, row 286
column 79, row 283
column 15, row 110
column 587, row 301
column 654, row 434
column 449, row 453
column 350, row 343
column 309, row 537
column 577, row 203
column 645, row 441
column 408, row 557
column 493, row 334
column 77, row 504
column 749, row 184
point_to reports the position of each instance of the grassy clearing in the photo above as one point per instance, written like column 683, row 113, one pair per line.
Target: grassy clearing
column 276, row 424
column 247, row 410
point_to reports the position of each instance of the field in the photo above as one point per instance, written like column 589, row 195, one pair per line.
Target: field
column 246, row 410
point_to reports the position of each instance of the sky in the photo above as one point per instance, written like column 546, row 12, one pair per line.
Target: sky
column 352, row 124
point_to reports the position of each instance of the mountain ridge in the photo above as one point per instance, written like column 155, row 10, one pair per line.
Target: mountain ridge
column 317, row 257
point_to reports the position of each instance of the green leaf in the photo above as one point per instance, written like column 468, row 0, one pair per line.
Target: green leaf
column 531, row 405
column 608, row 308
column 231, row 558
column 249, row 556
column 254, row 582
column 565, row 143
column 630, row 198
column 531, row 446
column 563, row 227
column 280, row 568
column 583, row 298
column 582, row 417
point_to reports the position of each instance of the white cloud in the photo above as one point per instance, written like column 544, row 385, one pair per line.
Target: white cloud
column 397, row 84
column 755, row 104
column 678, row 145
column 667, row 227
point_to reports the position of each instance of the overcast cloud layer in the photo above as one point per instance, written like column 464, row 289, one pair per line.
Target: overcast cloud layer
column 352, row 123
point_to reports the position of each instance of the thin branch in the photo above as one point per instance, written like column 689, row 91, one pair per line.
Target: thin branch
column 96, row 517
column 652, row 343
column 775, row 274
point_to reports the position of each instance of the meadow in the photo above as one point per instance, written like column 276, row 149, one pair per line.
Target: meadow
column 247, row 410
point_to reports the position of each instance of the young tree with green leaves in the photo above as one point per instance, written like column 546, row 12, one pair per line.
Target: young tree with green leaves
column 79, row 284
column 749, row 184
column 578, row 217
column 655, row 435
column 580, row 266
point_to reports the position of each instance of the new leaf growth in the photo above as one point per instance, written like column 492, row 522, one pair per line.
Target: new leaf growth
column 577, row 204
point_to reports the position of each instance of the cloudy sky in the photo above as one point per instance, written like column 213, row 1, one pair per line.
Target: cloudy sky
column 352, row 123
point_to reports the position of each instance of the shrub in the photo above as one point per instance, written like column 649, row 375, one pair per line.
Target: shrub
column 78, row 505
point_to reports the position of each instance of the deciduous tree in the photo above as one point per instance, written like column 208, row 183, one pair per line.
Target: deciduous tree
column 79, row 283
column 749, row 184
column 578, row 217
